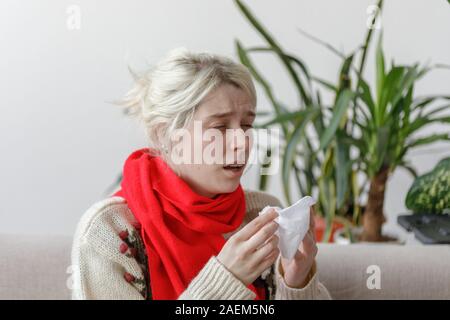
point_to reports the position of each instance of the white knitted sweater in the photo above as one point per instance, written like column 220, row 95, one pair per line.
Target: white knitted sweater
column 109, row 260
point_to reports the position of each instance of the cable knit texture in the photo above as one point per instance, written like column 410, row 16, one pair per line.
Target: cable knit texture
column 109, row 260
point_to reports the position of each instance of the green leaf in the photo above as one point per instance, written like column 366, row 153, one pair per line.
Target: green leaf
column 366, row 96
column 344, row 77
column 343, row 166
column 325, row 83
column 422, row 102
column 406, row 83
column 327, row 192
column 380, row 75
column 290, row 151
column 245, row 59
column 294, row 59
column 301, row 65
column 408, row 168
column 390, row 87
column 368, row 38
column 339, row 111
column 322, row 43
column 288, row 116
column 423, row 121
column 436, row 110
column 304, row 97
column 356, row 192
column 430, row 139
column 429, row 192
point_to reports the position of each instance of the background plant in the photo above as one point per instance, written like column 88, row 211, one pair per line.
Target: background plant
column 430, row 193
column 362, row 137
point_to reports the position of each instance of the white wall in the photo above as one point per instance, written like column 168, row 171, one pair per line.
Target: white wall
column 62, row 143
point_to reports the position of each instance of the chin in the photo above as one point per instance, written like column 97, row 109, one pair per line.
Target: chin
column 228, row 186
column 225, row 182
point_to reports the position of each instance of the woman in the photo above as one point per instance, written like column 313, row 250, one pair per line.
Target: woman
column 187, row 229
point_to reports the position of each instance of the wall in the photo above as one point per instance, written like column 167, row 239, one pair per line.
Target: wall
column 62, row 142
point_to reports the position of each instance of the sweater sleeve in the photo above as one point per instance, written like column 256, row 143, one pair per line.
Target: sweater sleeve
column 314, row 290
column 216, row 282
column 106, row 260
column 100, row 277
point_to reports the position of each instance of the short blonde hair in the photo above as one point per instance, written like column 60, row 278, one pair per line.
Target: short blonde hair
column 165, row 97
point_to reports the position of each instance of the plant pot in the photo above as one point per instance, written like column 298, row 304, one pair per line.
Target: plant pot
column 321, row 227
column 341, row 236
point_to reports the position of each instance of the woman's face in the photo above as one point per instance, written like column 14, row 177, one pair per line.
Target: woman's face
column 225, row 114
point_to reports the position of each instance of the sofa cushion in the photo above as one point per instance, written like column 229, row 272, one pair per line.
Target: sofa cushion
column 406, row 271
column 34, row 267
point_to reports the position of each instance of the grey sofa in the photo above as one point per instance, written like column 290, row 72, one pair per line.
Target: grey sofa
column 38, row 267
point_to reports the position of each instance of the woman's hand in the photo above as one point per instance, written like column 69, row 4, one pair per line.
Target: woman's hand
column 253, row 249
column 296, row 270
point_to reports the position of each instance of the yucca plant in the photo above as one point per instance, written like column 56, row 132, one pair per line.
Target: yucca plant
column 388, row 119
column 361, row 140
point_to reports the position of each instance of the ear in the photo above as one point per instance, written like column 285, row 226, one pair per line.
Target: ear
column 159, row 133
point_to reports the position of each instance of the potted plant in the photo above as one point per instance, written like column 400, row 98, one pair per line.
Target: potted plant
column 430, row 192
column 363, row 136
column 429, row 200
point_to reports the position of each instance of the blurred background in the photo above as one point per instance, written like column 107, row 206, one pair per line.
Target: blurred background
column 62, row 141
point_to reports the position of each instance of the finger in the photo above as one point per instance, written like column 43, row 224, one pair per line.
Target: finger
column 260, row 237
column 266, row 249
column 267, row 262
column 313, row 234
column 256, row 224
column 312, row 222
column 299, row 255
column 271, row 257
column 309, row 245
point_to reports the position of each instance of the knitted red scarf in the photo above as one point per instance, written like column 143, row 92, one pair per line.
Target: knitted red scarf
column 181, row 230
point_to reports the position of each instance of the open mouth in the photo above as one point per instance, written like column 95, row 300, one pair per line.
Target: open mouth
column 234, row 167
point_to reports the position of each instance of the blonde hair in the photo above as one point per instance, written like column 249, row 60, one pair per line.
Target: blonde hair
column 165, row 97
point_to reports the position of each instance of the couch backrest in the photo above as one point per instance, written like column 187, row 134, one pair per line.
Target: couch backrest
column 38, row 267
column 34, row 267
column 405, row 271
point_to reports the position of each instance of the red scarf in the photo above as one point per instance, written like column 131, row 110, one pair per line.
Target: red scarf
column 181, row 229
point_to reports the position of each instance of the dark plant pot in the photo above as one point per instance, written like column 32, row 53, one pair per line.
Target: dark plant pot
column 428, row 228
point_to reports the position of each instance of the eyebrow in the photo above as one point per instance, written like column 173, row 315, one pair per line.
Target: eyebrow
column 226, row 114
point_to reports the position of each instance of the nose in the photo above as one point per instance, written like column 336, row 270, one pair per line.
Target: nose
column 239, row 141
column 238, row 144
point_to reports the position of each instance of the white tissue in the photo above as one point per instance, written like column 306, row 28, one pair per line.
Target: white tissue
column 293, row 224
